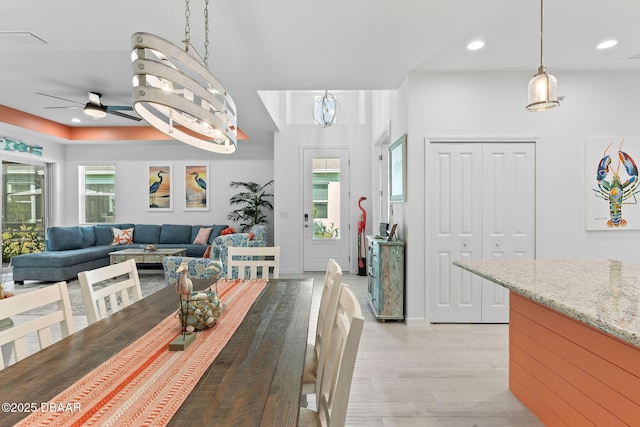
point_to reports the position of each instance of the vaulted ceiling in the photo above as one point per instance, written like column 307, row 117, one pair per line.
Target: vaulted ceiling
column 296, row 45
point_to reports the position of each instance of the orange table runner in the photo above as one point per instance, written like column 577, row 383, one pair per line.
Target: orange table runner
column 145, row 383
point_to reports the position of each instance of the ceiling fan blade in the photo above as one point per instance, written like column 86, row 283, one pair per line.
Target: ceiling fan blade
column 119, row 108
column 66, row 108
column 57, row 97
column 126, row 116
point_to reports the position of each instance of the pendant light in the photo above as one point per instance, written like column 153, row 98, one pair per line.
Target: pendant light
column 174, row 91
column 324, row 110
column 543, row 87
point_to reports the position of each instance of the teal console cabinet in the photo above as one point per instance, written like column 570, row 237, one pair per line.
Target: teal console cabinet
column 385, row 271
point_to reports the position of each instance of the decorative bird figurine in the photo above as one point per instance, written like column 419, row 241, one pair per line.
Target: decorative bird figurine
column 153, row 189
column 202, row 184
column 184, row 286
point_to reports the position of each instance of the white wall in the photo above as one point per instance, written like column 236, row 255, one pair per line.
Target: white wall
column 132, row 181
column 490, row 106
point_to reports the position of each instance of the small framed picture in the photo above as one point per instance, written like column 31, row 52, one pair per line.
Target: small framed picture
column 160, row 188
column 397, row 170
column 196, row 190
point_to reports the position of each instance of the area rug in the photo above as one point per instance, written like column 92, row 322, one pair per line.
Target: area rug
column 151, row 280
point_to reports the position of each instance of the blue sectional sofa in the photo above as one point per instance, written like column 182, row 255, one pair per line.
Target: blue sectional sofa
column 70, row 250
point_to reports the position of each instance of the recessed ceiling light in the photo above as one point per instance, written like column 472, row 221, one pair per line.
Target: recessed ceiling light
column 475, row 45
column 607, row 44
column 75, row 120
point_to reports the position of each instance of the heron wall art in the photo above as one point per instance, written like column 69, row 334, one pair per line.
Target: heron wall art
column 160, row 188
column 196, row 191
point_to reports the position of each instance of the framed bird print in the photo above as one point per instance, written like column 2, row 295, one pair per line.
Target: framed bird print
column 196, row 189
column 160, row 188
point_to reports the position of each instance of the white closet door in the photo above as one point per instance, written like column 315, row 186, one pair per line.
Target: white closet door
column 482, row 205
column 455, row 197
column 508, row 216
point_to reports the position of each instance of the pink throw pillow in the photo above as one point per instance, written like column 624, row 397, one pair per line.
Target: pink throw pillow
column 202, row 238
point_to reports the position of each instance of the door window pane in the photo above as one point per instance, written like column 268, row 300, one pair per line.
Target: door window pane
column 326, row 198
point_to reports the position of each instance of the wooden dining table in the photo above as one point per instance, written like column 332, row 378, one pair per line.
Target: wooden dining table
column 255, row 380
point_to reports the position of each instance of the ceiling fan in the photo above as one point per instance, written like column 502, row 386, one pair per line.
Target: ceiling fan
column 95, row 108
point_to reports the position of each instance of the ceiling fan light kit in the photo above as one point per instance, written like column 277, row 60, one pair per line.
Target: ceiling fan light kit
column 94, row 111
column 94, row 108
column 174, row 91
column 543, row 87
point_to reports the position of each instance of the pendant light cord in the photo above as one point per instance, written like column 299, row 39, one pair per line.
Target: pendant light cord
column 541, row 30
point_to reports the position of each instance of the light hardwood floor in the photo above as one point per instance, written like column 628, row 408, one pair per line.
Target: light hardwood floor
column 438, row 375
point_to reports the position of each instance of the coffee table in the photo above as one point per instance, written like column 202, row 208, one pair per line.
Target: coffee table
column 145, row 257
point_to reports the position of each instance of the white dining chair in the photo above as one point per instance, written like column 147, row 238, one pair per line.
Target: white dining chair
column 117, row 284
column 16, row 336
column 333, row 395
column 254, row 260
column 315, row 355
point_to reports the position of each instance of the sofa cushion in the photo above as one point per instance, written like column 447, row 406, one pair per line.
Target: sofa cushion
column 103, row 232
column 64, row 238
column 216, row 230
column 56, row 259
column 88, row 236
column 147, row 233
column 122, row 237
column 175, row 233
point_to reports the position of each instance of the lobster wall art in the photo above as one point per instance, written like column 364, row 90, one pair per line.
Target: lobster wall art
column 616, row 187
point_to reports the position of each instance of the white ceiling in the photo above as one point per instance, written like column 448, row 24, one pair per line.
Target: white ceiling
column 298, row 45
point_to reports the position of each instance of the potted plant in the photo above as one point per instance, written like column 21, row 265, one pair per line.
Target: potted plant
column 252, row 203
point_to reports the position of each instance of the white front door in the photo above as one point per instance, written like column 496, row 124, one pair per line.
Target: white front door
column 482, row 205
column 326, row 208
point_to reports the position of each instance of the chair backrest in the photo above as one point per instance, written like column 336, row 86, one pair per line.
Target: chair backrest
column 251, row 261
column 329, row 298
column 117, row 284
column 333, row 397
column 41, row 324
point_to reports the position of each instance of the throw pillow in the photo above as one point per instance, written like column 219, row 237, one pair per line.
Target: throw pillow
column 122, row 237
column 207, row 253
column 251, row 236
column 202, row 238
column 227, row 230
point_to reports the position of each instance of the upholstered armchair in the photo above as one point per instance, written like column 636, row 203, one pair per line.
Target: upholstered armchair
column 259, row 232
column 196, row 266
column 224, row 241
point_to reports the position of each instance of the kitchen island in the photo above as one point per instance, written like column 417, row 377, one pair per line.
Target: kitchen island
column 574, row 337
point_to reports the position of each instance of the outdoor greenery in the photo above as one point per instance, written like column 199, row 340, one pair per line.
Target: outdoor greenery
column 321, row 231
column 252, row 202
column 24, row 240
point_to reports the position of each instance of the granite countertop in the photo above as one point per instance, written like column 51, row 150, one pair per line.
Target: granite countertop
column 601, row 293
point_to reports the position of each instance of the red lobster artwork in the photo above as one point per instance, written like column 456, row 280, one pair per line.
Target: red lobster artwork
column 614, row 191
column 362, row 223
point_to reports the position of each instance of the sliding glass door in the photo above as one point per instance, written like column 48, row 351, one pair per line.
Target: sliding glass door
column 23, row 208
